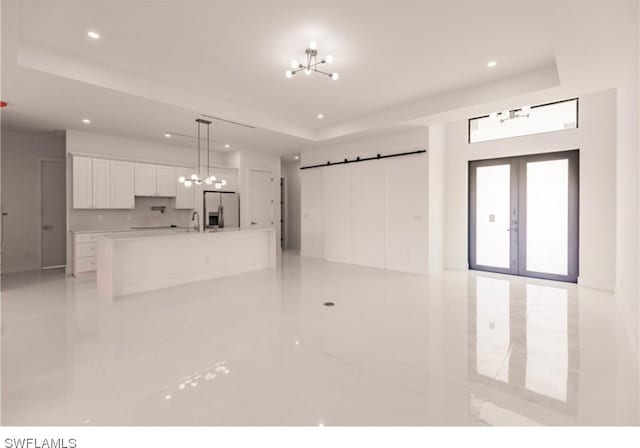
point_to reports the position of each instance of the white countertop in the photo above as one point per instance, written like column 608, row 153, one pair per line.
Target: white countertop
column 150, row 229
column 175, row 233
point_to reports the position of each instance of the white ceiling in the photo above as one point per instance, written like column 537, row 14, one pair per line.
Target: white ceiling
column 159, row 64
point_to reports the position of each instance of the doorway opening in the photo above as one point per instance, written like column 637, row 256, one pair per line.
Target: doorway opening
column 523, row 215
column 53, row 211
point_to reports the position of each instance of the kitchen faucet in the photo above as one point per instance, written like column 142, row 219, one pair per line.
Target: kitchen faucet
column 193, row 216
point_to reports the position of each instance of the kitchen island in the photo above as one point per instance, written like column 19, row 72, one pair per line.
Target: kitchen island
column 133, row 262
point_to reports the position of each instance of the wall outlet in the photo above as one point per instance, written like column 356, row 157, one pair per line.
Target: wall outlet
column 129, row 217
column 100, row 218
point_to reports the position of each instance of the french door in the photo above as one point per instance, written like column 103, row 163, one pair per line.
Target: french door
column 523, row 215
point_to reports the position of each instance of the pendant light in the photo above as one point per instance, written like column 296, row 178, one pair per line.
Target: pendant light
column 195, row 177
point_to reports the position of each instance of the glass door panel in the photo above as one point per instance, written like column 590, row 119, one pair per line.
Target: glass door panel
column 523, row 215
column 493, row 207
column 547, row 216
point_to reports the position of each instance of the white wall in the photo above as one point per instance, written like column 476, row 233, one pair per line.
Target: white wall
column 22, row 154
column 628, row 224
column 245, row 161
column 371, row 213
column 437, row 154
column 291, row 173
column 596, row 139
column 628, row 197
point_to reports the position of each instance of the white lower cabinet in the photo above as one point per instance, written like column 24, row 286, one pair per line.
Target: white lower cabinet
column 84, row 253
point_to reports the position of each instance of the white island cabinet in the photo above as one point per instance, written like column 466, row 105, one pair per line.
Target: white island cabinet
column 134, row 262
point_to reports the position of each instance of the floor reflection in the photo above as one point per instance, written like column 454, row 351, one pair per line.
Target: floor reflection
column 524, row 345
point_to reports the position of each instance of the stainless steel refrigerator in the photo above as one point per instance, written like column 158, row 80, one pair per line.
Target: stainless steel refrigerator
column 221, row 209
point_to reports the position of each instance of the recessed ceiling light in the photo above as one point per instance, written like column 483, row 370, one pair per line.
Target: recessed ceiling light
column 320, row 116
column 296, row 157
column 492, row 64
column 167, row 135
column 227, row 145
column 86, row 121
column 93, row 35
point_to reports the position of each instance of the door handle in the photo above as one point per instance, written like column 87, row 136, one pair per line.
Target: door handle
column 253, row 223
column 47, row 227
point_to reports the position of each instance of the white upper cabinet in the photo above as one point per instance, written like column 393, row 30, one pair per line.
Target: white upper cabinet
column 155, row 180
column 185, row 196
column 145, row 179
column 122, row 184
column 166, row 181
column 101, row 180
column 82, row 182
column 105, row 183
column 228, row 174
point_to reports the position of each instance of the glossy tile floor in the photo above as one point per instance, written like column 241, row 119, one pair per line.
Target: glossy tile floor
column 460, row 348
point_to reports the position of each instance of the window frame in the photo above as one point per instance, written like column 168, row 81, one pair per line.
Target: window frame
column 576, row 99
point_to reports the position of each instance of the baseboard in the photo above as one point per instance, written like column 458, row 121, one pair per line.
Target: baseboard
column 461, row 267
column 594, row 284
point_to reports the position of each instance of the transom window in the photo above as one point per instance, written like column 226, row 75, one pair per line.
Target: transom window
column 527, row 120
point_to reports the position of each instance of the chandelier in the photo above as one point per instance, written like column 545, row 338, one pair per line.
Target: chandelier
column 311, row 64
column 506, row 115
column 195, row 177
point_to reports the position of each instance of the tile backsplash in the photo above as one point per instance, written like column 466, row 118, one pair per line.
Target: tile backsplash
column 140, row 216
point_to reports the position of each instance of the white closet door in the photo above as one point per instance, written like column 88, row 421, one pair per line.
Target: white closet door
column 368, row 214
column 101, row 183
column 312, row 204
column 337, row 213
column 407, row 228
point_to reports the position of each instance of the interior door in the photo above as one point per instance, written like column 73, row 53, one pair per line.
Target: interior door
column 261, row 198
column 53, row 241
column 523, row 215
